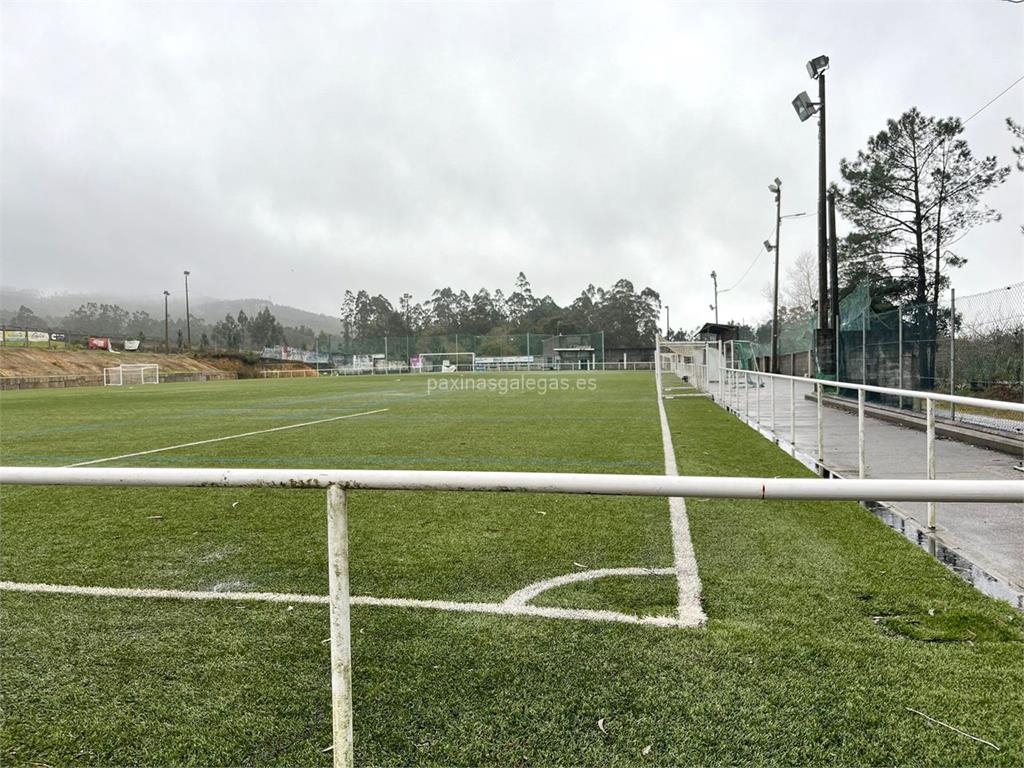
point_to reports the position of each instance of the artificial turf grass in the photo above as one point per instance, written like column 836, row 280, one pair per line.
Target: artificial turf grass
column 829, row 571
column 790, row 668
column 424, row 545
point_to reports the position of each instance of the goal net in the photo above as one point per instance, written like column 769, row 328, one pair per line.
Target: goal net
column 446, row 362
column 138, row 373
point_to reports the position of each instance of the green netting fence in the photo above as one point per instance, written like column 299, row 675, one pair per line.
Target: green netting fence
column 970, row 345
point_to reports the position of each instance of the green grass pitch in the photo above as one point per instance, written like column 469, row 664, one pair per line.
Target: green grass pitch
column 823, row 626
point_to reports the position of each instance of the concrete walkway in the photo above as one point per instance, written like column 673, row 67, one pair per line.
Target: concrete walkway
column 989, row 536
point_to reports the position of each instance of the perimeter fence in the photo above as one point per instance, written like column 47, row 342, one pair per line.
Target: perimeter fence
column 971, row 345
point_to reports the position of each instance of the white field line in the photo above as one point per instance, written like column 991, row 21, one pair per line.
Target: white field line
column 687, row 578
column 227, row 437
column 499, row 609
column 527, row 593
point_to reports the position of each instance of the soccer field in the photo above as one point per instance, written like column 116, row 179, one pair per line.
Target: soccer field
column 823, row 629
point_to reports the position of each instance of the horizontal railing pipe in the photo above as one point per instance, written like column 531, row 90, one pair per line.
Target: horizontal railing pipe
column 978, row 402
column 529, row 482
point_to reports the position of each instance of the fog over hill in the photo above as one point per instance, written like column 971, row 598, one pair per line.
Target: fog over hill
column 58, row 305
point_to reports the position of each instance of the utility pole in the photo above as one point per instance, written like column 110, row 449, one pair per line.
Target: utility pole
column 714, row 276
column 167, row 331
column 668, row 324
column 777, row 189
column 188, row 317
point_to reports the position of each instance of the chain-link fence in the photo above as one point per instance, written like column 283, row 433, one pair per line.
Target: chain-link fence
column 973, row 345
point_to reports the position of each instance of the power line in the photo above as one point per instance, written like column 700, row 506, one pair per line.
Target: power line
column 993, row 100
column 758, row 256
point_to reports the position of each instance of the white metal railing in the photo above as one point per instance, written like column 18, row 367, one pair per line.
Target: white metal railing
column 338, row 481
column 730, row 379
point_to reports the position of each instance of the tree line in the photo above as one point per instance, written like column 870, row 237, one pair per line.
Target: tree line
column 629, row 318
column 234, row 332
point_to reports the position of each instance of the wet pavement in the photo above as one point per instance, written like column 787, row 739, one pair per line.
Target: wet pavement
column 982, row 542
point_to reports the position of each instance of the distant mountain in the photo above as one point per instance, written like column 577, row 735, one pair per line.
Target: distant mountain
column 58, row 305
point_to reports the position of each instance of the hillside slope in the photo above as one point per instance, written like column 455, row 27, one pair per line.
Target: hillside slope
column 26, row 361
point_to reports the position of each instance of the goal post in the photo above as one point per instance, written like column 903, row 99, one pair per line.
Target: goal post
column 131, row 373
column 446, row 362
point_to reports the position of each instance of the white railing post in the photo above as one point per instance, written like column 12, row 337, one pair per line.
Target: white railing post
column 760, row 385
column 721, row 375
column 746, row 395
column 861, row 462
column 341, row 630
column 821, row 432
column 930, row 418
column 773, row 407
column 792, row 414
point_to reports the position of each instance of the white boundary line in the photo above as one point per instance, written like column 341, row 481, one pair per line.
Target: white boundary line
column 527, row 593
column 687, row 578
column 505, row 608
column 228, row 437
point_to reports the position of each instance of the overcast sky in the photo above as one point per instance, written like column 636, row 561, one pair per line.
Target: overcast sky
column 294, row 151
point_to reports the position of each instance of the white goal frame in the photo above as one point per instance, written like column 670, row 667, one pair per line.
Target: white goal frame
column 131, row 373
column 456, row 360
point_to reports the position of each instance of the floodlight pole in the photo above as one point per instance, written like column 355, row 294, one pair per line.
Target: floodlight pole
column 668, row 324
column 775, row 291
column 167, row 331
column 188, row 318
column 822, row 223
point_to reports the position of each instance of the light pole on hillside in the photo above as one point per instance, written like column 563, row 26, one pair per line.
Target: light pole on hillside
column 188, row 318
column 668, row 323
column 167, row 327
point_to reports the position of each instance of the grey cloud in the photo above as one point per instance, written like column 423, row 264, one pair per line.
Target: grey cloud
column 301, row 149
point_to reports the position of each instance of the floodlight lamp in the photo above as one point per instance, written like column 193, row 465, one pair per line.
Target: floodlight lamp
column 713, row 275
column 711, row 306
column 804, row 106
column 768, row 246
column 778, row 182
column 773, row 188
column 816, row 66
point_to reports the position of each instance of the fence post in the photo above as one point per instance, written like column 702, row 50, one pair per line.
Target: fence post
column 899, row 336
column 836, row 355
column 864, row 347
column 861, row 463
column 821, row 432
column 930, row 416
column 792, row 414
column 773, row 409
column 341, row 630
column 746, row 394
column 952, row 349
column 757, row 408
column 721, row 375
